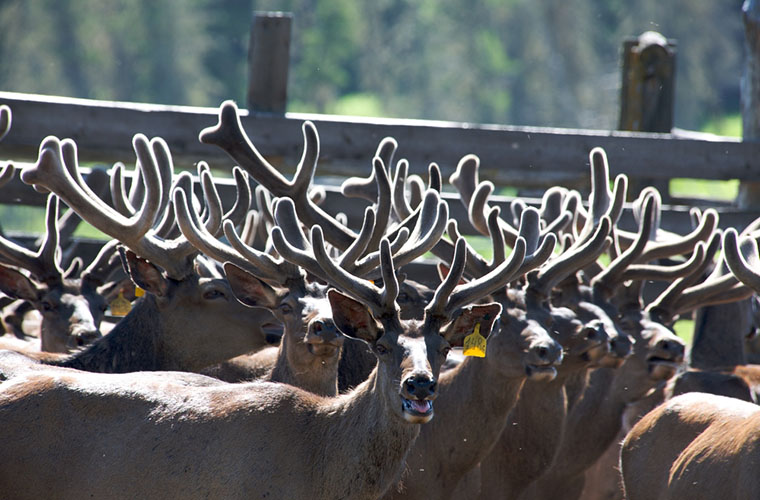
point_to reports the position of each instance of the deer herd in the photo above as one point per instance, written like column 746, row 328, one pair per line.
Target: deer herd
column 278, row 352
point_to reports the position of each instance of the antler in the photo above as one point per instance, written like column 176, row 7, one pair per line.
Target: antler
column 57, row 170
column 43, row 264
column 742, row 258
column 229, row 135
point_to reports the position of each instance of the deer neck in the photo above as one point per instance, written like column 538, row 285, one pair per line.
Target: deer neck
column 471, row 412
column 529, row 441
column 379, row 442
column 319, row 377
column 592, row 424
column 132, row 345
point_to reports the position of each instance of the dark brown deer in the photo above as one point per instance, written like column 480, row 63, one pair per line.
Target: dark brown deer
column 71, row 308
column 657, row 354
column 258, row 438
column 535, row 425
column 185, row 321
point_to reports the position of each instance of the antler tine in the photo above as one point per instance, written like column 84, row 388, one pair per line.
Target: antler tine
column 428, row 230
column 229, row 135
column 50, row 172
column 416, row 188
column 553, row 210
column 683, row 244
column 614, row 272
column 204, row 241
column 742, row 258
column 539, row 248
column 517, row 207
column 400, row 204
column 104, row 264
column 434, row 177
column 357, row 187
column 384, row 202
column 44, row 264
column 475, row 264
column 490, row 282
column 7, row 172
column 5, row 120
column 664, row 305
column 475, row 195
column 465, row 177
column 239, row 210
column 437, row 306
column 381, row 301
column 602, row 201
column 573, row 259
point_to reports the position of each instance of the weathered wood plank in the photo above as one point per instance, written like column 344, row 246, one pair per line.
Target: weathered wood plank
column 516, row 156
column 675, row 218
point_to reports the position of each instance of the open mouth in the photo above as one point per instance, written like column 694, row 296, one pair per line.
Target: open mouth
column 323, row 350
column 596, row 353
column 416, row 410
column 541, row 372
column 662, row 368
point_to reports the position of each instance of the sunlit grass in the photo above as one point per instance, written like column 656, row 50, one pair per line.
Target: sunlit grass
column 704, row 189
column 729, row 125
column 684, row 328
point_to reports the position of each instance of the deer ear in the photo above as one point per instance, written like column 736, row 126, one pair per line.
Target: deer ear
column 464, row 324
column 353, row 318
column 143, row 273
column 249, row 289
column 16, row 285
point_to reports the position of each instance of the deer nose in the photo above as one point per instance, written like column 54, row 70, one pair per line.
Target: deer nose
column 420, row 386
column 670, row 349
column 621, row 346
column 545, row 352
column 325, row 331
column 595, row 334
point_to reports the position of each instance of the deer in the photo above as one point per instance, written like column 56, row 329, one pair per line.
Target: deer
column 310, row 348
column 226, row 423
column 544, row 401
column 704, row 444
column 656, row 357
column 186, row 320
column 71, row 308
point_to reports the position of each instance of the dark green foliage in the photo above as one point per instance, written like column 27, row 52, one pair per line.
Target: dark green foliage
column 525, row 62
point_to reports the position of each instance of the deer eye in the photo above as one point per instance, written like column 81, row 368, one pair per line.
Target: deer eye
column 213, row 294
column 286, row 309
column 47, row 305
column 381, row 349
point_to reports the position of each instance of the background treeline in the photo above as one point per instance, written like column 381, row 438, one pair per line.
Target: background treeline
column 522, row 62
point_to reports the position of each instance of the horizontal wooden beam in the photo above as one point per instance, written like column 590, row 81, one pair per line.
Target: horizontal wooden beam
column 510, row 156
column 675, row 218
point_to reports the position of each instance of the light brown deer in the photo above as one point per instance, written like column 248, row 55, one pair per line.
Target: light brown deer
column 255, row 439
column 699, row 445
column 696, row 446
column 186, row 321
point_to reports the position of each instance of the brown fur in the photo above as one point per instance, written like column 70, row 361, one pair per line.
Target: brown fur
column 476, row 399
column 167, row 434
column 695, row 446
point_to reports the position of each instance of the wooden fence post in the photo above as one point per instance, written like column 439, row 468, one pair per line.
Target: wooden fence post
column 648, row 92
column 268, row 62
column 749, row 192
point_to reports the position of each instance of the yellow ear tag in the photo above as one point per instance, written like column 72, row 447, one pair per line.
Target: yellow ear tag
column 139, row 292
column 475, row 343
column 120, row 306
